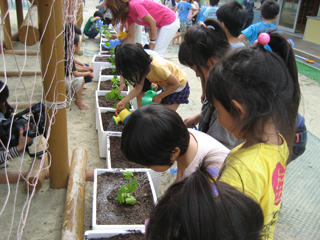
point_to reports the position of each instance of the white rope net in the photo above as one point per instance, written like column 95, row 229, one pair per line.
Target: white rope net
column 24, row 91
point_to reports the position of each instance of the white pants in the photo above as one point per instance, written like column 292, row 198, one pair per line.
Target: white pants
column 164, row 37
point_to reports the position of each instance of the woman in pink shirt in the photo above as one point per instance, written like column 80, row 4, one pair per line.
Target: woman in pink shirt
column 161, row 20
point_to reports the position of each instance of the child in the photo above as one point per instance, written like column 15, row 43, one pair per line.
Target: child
column 90, row 29
column 164, row 139
column 204, row 45
column 232, row 16
column 201, row 208
column 74, row 77
column 257, row 95
column 4, row 114
column 249, row 5
column 135, row 65
column 183, row 7
column 269, row 13
column 211, row 11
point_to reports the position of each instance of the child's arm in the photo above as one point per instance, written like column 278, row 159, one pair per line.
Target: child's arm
column 173, row 83
column 95, row 19
column 122, row 86
column 78, row 62
column 133, row 93
column 82, row 74
column 153, row 29
column 242, row 37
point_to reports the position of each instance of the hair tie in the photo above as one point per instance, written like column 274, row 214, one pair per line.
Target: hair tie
column 206, row 27
column 263, row 39
column 214, row 174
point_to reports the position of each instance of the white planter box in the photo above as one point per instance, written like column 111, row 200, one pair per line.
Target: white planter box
column 97, row 67
column 100, row 75
column 156, row 176
column 102, row 49
column 94, row 234
column 95, row 226
column 106, row 78
column 102, row 134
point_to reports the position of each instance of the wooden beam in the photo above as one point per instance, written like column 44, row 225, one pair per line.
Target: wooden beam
column 19, row 11
column 29, row 30
column 7, row 27
column 37, row 173
column 20, row 52
column 72, row 227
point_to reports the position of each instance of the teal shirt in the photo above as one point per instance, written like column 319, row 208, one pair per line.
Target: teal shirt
column 89, row 26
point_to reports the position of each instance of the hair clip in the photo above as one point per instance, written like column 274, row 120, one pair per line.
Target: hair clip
column 206, row 27
column 214, row 174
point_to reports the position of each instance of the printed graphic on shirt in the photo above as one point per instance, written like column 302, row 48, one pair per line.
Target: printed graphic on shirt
column 277, row 182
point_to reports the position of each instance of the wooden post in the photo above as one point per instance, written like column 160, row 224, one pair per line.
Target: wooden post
column 37, row 173
column 72, row 227
column 79, row 17
column 29, row 30
column 52, row 66
column 6, row 21
column 19, row 10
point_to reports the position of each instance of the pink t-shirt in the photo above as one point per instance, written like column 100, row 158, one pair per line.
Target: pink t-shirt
column 138, row 9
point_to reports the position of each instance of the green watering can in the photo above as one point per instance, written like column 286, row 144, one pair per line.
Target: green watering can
column 148, row 97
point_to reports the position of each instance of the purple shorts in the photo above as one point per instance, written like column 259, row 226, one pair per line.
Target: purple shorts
column 177, row 97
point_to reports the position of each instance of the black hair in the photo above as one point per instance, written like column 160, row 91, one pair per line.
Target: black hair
column 132, row 61
column 151, row 135
column 71, row 30
column 214, row 2
column 270, row 9
column 264, row 82
column 202, row 43
column 189, row 210
column 98, row 14
column 233, row 15
column 4, row 94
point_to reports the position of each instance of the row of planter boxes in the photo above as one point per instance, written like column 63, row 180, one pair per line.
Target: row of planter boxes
column 106, row 135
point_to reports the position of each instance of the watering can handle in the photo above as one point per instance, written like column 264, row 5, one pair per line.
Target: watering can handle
column 116, row 112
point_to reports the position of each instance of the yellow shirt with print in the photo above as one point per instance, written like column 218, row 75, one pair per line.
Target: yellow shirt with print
column 258, row 171
column 161, row 70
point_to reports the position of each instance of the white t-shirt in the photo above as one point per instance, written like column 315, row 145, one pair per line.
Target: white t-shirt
column 206, row 144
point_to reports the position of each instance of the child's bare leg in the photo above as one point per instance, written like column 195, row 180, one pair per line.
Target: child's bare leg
column 172, row 106
column 83, row 87
column 79, row 102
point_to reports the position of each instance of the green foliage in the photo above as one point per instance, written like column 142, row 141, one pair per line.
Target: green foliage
column 124, row 193
column 114, row 93
column 104, row 30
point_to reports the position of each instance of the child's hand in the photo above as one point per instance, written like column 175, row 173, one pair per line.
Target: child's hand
column 120, row 105
column 91, row 75
column 22, row 139
column 122, row 87
column 113, row 36
column 190, row 121
column 90, row 69
column 157, row 99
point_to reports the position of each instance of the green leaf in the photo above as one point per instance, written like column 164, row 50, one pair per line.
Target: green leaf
column 128, row 175
column 114, row 70
column 131, row 200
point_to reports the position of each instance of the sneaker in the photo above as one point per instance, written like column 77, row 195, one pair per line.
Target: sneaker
column 2, row 165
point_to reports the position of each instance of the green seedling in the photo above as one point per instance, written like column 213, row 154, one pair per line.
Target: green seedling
column 124, row 193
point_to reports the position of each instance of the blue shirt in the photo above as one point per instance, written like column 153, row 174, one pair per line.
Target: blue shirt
column 249, row 4
column 251, row 32
column 184, row 8
column 300, row 122
column 211, row 12
column 202, row 18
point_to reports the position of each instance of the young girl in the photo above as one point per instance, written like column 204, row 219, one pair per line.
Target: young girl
column 204, row 209
column 257, row 95
column 203, row 46
column 163, row 139
column 136, row 65
column 161, row 20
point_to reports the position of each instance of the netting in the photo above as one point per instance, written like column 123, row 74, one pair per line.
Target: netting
column 20, row 70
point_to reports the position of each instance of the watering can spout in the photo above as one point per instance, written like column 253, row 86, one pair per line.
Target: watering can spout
column 123, row 116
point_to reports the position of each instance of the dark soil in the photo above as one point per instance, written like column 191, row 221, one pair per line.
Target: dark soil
column 102, row 59
column 104, row 49
column 107, row 85
column 117, row 158
column 111, row 212
column 108, row 124
column 134, row 235
column 103, row 102
column 108, row 71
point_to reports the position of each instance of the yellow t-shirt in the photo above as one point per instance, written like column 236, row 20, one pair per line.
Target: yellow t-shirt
column 161, row 70
column 258, row 171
